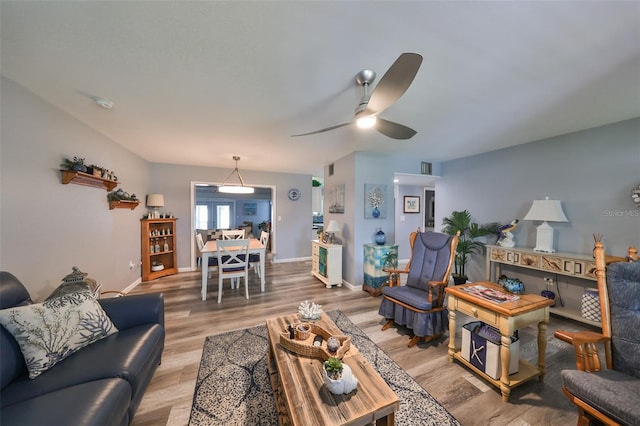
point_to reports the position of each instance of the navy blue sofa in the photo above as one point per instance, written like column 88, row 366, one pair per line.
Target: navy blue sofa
column 101, row 384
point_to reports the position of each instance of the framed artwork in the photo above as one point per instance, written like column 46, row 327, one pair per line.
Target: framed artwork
column 250, row 209
column 375, row 196
column 411, row 204
column 336, row 199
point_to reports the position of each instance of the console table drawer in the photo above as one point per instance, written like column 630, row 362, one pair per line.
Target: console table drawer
column 476, row 311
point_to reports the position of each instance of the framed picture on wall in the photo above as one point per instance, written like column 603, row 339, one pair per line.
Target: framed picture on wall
column 411, row 204
column 250, row 209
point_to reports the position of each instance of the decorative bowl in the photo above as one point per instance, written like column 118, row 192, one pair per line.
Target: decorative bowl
column 512, row 285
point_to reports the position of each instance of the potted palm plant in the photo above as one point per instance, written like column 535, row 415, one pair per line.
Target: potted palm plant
column 468, row 243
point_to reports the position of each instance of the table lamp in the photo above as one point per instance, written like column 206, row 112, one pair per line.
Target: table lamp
column 547, row 211
column 155, row 201
column 332, row 229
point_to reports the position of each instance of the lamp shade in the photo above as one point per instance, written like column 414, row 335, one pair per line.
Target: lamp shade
column 155, row 200
column 547, row 211
column 240, row 188
column 333, row 226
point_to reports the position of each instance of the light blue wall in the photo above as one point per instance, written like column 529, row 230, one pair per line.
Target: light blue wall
column 412, row 221
column 592, row 172
column 292, row 219
column 356, row 170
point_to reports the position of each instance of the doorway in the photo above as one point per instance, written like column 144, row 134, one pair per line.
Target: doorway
column 424, row 187
column 212, row 211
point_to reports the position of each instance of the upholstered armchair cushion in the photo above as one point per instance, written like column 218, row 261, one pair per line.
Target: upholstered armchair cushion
column 429, row 260
column 624, row 291
column 410, row 295
column 608, row 391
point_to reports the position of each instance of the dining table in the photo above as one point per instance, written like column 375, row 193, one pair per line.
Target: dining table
column 210, row 249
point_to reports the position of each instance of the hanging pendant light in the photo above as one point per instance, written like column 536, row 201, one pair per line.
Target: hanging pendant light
column 235, row 189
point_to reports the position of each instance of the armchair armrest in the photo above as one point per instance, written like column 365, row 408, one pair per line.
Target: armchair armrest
column 584, row 343
column 394, row 276
column 131, row 311
column 438, row 283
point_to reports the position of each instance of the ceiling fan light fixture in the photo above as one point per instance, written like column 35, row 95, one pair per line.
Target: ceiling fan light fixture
column 235, row 188
column 366, row 122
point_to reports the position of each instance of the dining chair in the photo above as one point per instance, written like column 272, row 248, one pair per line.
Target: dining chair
column 213, row 261
column 254, row 259
column 233, row 263
column 233, row 234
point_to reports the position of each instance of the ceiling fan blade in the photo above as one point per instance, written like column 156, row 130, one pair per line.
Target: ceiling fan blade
column 394, row 130
column 394, row 82
column 324, row 130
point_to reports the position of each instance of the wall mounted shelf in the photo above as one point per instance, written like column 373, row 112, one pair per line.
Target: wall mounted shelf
column 123, row 204
column 80, row 178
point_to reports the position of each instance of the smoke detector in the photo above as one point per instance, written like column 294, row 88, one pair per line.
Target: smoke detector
column 104, row 103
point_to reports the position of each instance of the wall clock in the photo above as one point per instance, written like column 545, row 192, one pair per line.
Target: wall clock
column 294, row 194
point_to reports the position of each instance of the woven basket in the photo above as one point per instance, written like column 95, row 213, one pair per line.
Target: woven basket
column 305, row 347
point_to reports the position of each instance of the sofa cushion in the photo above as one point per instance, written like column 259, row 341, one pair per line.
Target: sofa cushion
column 611, row 392
column 49, row 332
column 131, row 354
column 101, row 402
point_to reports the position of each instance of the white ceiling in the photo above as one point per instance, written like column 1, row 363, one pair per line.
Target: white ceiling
column 198, row 82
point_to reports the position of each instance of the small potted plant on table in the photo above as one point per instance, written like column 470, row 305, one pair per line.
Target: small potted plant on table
column 338, row 376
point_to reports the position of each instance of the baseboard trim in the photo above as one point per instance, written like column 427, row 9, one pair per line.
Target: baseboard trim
column 292, row 259
column 132, row 286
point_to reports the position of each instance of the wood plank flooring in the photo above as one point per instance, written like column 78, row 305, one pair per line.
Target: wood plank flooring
column 471, row 400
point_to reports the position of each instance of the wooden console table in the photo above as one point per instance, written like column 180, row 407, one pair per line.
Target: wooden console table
column 506, row 317
column 574, row 265
column 303, row 399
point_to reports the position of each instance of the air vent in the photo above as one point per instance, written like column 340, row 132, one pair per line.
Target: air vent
column 331, row 169
column 425, row 169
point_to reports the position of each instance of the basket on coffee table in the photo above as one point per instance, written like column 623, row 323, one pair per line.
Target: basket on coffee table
column 305, row 347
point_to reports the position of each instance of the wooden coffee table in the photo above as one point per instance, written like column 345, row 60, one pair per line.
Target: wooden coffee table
column 303, row 399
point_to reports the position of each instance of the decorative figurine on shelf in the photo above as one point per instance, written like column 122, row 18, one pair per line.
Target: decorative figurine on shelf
column 506, row 237
column 120, row 195
column 77, row 164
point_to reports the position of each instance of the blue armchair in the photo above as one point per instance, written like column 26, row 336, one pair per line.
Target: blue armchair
column 419, row 305
column 611, row 393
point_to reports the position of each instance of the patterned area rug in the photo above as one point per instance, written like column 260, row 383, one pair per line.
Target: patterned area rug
column 233, row 387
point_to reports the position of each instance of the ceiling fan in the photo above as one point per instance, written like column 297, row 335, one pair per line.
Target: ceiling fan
column 391, row 87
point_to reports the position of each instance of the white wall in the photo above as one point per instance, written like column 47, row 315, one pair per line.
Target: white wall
column 46, row 227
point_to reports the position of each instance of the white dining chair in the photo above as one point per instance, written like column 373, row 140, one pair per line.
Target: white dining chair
column 254, row 259
column 213, row 260
column 233, row 263
column 233, row 234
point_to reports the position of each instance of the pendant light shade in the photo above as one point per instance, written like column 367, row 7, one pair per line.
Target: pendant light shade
column 240, row 188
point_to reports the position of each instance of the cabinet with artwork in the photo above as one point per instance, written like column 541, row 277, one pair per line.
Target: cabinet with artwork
column 326, row 263
column 376, row 258
column 158, row 246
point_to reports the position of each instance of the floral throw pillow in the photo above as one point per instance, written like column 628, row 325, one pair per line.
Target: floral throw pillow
column 49, row 332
